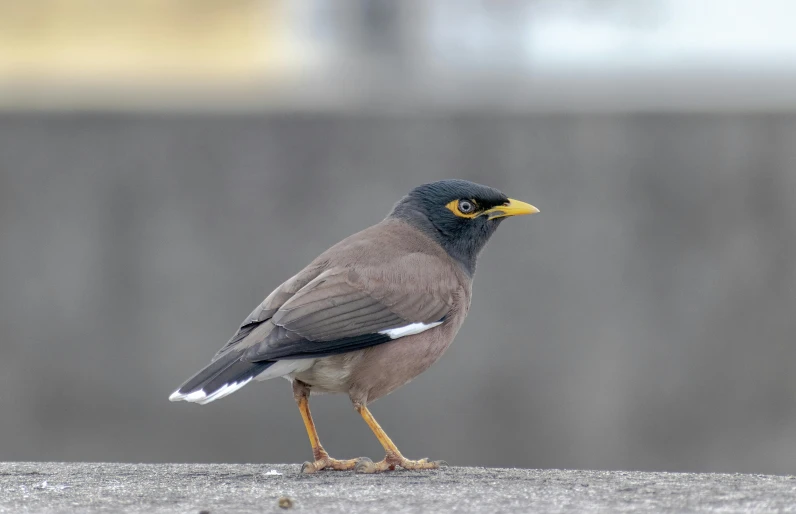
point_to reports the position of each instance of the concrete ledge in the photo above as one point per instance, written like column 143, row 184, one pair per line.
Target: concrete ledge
column 226, row 488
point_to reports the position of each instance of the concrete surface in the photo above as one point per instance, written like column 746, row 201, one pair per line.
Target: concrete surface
column 227, row 488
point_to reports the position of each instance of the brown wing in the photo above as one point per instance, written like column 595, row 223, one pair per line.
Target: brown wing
column 343, row 309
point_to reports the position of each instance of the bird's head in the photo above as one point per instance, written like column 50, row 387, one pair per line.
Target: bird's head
column 459, row 215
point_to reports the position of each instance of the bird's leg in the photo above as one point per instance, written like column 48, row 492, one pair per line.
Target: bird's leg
column 301, row 393
column 393, row 456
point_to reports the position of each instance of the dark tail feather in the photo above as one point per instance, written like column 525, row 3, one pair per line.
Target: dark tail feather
column 221, row 377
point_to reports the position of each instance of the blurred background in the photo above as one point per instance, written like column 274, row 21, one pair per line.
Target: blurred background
column 165, row 164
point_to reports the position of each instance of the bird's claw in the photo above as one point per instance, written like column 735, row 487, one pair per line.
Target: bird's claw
column 327, row 462
column 367, row 466
column 436, row 463
column 422, row 464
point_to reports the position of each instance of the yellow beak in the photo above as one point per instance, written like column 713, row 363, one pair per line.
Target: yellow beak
column 510, row 208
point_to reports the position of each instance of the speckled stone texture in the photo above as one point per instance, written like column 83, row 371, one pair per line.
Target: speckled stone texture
column 228, row 488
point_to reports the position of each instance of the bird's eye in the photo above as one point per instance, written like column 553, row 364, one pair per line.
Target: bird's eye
column 466, row 206
column 463, row 208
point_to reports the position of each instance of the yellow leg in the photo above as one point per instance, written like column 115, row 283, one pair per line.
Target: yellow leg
column 322, row 459
column 393, row 455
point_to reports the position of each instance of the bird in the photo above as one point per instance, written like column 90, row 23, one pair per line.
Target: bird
column 368, row 315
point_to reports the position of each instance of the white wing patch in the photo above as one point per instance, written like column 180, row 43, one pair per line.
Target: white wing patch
column 409, row 330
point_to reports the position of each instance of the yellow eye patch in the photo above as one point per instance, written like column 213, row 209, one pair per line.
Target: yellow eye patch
column 454, row 208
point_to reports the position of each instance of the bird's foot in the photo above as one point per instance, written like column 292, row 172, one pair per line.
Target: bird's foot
column 326, row 462
column 365, row 465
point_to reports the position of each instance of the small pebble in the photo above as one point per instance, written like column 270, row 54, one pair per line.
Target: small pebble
column 285, row 503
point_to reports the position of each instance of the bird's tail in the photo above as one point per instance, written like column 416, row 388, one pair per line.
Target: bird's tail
column 223, row 376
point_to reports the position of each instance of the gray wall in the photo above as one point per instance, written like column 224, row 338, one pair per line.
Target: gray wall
column 645, row 319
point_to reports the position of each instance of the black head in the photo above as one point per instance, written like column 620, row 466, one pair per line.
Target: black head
column 460, row 215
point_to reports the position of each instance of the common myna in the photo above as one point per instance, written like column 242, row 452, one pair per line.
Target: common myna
column 369, row 314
